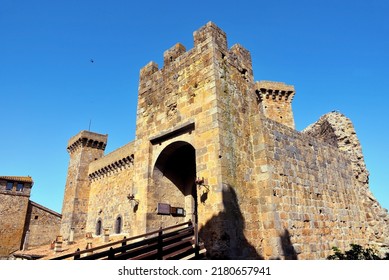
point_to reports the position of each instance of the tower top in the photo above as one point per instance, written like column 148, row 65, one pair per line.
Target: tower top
column 276, row 101
column 274, row 90
column 87, row 139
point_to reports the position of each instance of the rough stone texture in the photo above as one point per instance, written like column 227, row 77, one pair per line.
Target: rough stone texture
column 111, row 183
column 43, row 224
column 19, row 215
column 13, row 209
column 213, row 141
column 337, row 129
column 276, row 101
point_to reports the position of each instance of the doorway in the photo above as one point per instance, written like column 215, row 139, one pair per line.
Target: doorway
column 174, row 176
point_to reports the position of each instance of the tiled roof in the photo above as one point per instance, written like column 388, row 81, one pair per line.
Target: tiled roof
column 26, row 179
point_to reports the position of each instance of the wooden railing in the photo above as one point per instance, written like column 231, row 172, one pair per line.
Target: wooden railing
column 175, row 242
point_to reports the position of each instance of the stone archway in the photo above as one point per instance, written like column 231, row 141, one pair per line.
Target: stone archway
column 173, row 183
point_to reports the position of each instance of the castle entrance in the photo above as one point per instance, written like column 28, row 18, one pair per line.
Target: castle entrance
column 174, row 190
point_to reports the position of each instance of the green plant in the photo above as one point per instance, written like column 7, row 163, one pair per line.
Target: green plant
column 357, row 252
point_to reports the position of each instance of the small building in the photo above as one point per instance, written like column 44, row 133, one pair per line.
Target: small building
column 23, row 223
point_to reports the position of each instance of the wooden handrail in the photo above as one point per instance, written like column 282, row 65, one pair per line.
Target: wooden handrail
column 108, row 246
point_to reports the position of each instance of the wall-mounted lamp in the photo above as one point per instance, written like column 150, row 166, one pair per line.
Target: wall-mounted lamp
column 131, row 197
column 200, row 182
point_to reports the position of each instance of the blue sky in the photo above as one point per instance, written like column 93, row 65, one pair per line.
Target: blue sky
column 335, row 53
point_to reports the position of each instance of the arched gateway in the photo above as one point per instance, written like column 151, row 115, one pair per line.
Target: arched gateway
column 172, row 194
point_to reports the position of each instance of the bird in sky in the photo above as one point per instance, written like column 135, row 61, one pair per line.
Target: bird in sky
column 92, row 61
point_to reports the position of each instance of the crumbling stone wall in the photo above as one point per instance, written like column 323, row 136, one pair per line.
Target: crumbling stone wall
column 338, row 130
column 311, row 204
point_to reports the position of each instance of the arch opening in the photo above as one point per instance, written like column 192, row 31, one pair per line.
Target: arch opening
column 174, row 177
column 118, row 225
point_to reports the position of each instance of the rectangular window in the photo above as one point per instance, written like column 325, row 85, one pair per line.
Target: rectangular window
column 19, row 187
column 9, row 186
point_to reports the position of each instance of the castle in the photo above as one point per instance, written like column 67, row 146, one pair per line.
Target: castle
column 214, row 146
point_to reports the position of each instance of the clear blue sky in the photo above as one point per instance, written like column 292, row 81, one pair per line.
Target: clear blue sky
column 335, row 53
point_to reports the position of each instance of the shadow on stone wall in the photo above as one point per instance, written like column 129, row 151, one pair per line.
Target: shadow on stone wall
column 223, row 234
column 287, row 247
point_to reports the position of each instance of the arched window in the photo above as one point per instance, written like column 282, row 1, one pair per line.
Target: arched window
column 98, row 227
column 118, row 225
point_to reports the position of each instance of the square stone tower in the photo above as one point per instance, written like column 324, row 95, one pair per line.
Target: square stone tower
column 83, row 148
column 194, row 138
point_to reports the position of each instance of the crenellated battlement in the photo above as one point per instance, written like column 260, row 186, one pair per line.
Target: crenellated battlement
column 87, row 139
column 112, row 162
column 275, row 91
column 209, row 33
column 275, row 99
column 172, row 54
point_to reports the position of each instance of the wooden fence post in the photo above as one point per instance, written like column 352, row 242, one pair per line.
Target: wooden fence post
column 160, row 245
column 124, row 243
column 111, row 254
column 77, row 256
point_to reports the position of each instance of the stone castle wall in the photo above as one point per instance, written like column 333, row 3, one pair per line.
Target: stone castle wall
column 335, row 128
column 212, row 141
column 111, row 182
column 310, row 203
column 178, row 103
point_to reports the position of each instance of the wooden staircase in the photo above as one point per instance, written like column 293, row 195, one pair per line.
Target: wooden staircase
column 170, row 243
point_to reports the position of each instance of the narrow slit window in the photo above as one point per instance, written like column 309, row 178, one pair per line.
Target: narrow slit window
column 118, row 225
column 98, row 227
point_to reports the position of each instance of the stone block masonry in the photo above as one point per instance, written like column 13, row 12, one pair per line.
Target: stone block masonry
column 23, row 223
column 222, row 147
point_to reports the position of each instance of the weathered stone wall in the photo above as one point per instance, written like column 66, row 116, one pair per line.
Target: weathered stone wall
column 276, row 101
column 338, row 130
column 43, row 224
column 212, row 141
column 13, row 209
column 111, row 182
column 226, row 233
column 172, row 98
column 312, row 202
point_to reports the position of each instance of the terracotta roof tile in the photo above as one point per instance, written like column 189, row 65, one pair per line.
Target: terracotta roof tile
column 26, row 179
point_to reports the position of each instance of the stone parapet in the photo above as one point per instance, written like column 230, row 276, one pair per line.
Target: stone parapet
column 275, row 99
column 113, row 162
column 274, row 91
column 87, row 139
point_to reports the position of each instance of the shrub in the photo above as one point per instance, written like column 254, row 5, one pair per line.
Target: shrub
column 357, row 252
